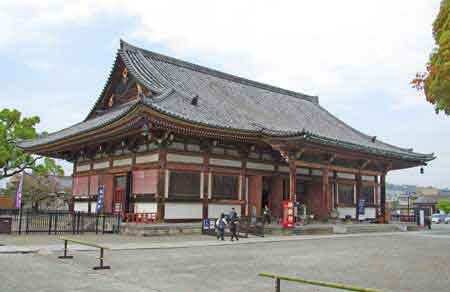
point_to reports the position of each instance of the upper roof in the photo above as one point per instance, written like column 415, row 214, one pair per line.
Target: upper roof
column 229, row 102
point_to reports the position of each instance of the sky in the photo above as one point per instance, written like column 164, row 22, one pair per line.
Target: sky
column 357, row 56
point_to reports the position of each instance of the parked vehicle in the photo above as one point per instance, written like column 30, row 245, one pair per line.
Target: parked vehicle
column 447, row 219
column 438, row 218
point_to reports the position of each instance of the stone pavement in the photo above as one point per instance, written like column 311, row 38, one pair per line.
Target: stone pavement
column 118, row 242
column 404, row 262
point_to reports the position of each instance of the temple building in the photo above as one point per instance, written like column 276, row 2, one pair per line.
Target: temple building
column 188, row 142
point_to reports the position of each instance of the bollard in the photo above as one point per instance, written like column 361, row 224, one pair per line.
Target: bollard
column 277, row 285
column 65, row 256
column 101, row 266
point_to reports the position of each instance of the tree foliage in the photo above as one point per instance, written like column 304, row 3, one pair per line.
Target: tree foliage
column 444, row 205
column 13, row 160
column 435, row 82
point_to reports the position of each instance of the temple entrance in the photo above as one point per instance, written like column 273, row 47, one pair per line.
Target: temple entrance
column 121, row 194
column 266, row 191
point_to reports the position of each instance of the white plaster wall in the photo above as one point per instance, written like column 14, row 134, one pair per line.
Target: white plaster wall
column 84, row 167
column 225, row 162
column 214, row 210
column 145, row 207
column 283, row 168
column 304, row 171
column 184, row 158
column 147, row 158
column 347, row 211
column 370, row 213
column 260, row 166
column 122, row 162
column 100, row 165
column 81, row 206
column 183, row 210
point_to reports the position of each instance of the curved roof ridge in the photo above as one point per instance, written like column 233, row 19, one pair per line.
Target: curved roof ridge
column 105, row 87
column 219, row 74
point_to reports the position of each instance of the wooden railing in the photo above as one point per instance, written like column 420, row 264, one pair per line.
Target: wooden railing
column 279, row 278
column 146, row 218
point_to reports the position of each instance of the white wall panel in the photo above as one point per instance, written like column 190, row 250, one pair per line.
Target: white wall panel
column 183, row 210
column 225, row 162
column 184, row 158
column 214, row 210
column 83, row 167
column 122, row 162
column 369, row 213
column 347, row 211
column 145, row 207
column 81, row 206
column 260, row 166
column 100, row 165
column 147, row 158
column 93, row 206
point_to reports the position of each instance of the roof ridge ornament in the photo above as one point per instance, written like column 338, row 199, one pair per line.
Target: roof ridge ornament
column 194, row 100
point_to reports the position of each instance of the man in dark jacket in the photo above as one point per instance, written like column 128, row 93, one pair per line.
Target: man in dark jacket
column 234, row 221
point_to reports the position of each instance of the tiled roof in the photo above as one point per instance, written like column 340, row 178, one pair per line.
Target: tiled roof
column 85, row 126
column 229, row 102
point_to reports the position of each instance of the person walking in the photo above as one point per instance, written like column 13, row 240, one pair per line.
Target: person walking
column 234, row 221
column 220, row 225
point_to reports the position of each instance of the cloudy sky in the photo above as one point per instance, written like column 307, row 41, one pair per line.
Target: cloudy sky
column 357, row 56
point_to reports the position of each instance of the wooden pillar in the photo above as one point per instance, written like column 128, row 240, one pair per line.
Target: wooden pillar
column 204, row 186
column 162, row 173
column 292, row 178
column 243, row 186
column 335, row 191
column 358, row 193
column 325, row 191
column 383, row 197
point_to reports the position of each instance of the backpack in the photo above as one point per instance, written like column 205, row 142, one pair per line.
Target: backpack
column 221, row 224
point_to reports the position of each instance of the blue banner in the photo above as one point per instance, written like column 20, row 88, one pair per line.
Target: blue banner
column 101, row 191
column 361, row 207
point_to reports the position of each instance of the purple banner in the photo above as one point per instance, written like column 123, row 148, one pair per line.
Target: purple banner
column 19, row 193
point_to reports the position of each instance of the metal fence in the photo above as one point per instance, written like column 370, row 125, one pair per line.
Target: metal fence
column 403, row 218
column 58, row 222
column 246, row 226
column 252, row 225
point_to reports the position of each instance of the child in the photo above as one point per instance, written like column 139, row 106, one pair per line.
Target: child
column 220, row 225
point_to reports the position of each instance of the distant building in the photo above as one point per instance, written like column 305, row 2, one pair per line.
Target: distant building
column 6, row 202
column 429, row 202
column 427, row 191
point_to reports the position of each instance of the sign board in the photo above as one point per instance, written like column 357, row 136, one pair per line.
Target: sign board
column 101, row 192
column 288, row 214
column 206, row 224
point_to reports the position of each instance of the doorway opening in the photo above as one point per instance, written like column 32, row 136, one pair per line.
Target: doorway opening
column 265, row 193
column 122, row 190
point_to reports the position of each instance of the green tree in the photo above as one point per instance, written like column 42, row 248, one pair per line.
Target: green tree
column 444, row 205
column 435, row 83
column 13, row 160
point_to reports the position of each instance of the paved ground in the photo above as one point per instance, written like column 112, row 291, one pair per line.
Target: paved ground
column 412, row 261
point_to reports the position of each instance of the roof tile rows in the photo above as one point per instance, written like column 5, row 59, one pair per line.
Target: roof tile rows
column 228, row 102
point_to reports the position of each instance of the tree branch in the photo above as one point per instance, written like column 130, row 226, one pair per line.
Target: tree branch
column 20, row 169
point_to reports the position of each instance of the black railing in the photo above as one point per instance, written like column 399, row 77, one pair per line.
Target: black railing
column 245, row 226
column 58, row 222
column 252, row 225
